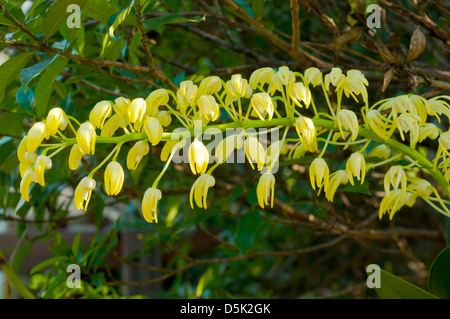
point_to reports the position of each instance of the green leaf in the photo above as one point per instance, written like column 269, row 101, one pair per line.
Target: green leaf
column 158, row 22
column 44, row 86
column 11, row 124
column 76, row 244
column 9, row 71
column 46, row 263
column 5, row 21
column 25, row 98
column 116, row 19
column 57, row 15
column 439, row 275
column 246, row 230
column 357, row 188
column 28, row 74
column 245, row 6
column 392, row 287
column 101, row 10
column 258, row 8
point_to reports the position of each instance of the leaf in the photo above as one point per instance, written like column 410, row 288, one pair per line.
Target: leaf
column 101, row 10
column 417, row 45
column 387, row 79
column 25, row 99
column 46, row 263
column 11, row 124
column 43, row 88
column 386, row 55
column 76, row 244
column 393, row 287
column 10, row 70
column 28, row 74
column 246, row 230
column 155, row 23
column 439, row 275
column 116, row 19
column 245, row 6
column 348, row 36
column 56, row 15
column 5, row 21
column 357, row 188
column 258, row 8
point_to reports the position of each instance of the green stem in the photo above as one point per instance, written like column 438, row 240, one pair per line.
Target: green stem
column 8, row 270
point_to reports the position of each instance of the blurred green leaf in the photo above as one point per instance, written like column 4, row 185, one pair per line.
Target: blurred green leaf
column 11, row 124
column 28, row 74
column 246, row 230
column 57, row 15
column 439, row 275
column 158, row 22
column 116, row 19
column 10, row 70
column 44, row 86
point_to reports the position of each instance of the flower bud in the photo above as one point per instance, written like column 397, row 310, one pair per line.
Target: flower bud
column 83, row 193
column 75, row 157
column 150, row 203
column 262, row 104
column 153, row 129
column 56, row 120
column 114, row 177
column 137, row 110
column 136, row 153
column 42, row 162
column 35, row 136
column 209, row 107
column 86, row 137
column 101, row 111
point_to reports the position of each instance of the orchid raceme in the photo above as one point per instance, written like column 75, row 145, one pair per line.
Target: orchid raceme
column 331, row 140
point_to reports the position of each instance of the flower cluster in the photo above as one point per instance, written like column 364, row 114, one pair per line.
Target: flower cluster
column 280, row 99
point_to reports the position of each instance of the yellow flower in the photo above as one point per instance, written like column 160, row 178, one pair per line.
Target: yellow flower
column 419, row 104
column 167, row 149
column 378, row 124
column 186, row 94
column 121, row 106
column 209, row 107
column 381, row 151
column 444, row 141
column 347, row 119
column 226, row 146
column 284, row 77
column 354, row 84
column 83, row 193
column 262, row 104
column 137, row 110
column 153, row 129
column 428, row 130
column 298, row 92
column 356, row 166
column 101, row 111
column 337, row 178
column 255, row 152
column 136, row 153
column 35, row 136
column 261, row 77
column 21, row 150
column 210, row 85
column 114, row 177
column 319, row 173
column 265, row 189
column 394, row 201
column 75, row 157
column 421, row 187
column 112, row 125
column 164, row 118
column 237, row 86
column 42, row 162
column 408, row 122
column 156, row 99
column 307, row 133
column 198, row 157
column 437, row 106
column 86, row 138
column 150, row 204
column 199, row 190
column 28, row 178
column 56, row 120
column 313, row 76
column 29, row 160
column 335, row 77
column 395, row 176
